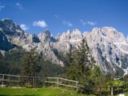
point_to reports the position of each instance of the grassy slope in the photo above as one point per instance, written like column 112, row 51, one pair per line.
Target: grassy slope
column 51, row 91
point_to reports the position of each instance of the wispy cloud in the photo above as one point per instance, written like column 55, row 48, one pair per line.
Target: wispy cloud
column 24, row 27
column 2, row 7
column 67, row 23
column 40, row 23
column 19, row 5
column 90, row 23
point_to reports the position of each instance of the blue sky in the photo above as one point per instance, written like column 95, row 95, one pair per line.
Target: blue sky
column 60, row 15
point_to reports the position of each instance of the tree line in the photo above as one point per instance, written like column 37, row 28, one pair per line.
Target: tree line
column 79, row 65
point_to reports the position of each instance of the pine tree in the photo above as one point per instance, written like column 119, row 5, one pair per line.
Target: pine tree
column 81, row 63
column 30, row 66
column 83, row 68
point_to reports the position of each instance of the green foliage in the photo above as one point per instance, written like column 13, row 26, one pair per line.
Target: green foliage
column 10, row 63
column 50, row 91
column 50, row 69
column 30, row 66
column 118, row 83
column 80, row 62
column 125, row 78
column 82, row 68
column 95, row 76
column 14, row 62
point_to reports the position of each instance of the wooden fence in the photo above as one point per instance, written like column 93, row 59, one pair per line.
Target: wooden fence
column 58, row 81
column 18, row 80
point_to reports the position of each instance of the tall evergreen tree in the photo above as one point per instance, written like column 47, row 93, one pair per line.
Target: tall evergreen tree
column 81, row 62
column 82, row 68
column 30, row 64
column 30, row 68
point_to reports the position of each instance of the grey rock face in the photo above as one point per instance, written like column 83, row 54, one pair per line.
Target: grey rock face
column 108, row 46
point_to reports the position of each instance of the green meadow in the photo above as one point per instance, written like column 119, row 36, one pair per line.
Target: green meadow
column 49, row 91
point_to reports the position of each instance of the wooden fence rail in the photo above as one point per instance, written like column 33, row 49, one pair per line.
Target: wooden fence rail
column 6, row 79
column 58, row 81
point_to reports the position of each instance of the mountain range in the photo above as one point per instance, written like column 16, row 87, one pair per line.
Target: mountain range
column 108, row 46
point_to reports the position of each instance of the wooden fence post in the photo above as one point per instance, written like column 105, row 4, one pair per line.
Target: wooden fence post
column 57, row 81
column 33, row 82
column 2, row 81
column 111, row 90
column 77, row 86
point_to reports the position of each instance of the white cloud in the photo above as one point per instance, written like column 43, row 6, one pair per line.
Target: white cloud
column 24, row 27
column 90, row 23
column 40, row 23
column 19, row 5
column 67, row 23
column 2, row 7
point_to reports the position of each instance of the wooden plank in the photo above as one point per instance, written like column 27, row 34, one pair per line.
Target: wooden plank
column 10, row 75
column 61, row 84
column 52, row 77
column 8, row 80
column 63, row 79
column 68, row 80
column 50, row 82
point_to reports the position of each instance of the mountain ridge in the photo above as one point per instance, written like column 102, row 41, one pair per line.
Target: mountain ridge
column 109, row 47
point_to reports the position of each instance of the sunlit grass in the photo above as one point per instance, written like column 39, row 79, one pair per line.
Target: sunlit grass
column 50, row 91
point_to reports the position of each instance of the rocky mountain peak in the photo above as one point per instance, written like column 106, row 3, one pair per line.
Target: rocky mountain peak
column 44, row 36
column 74, row 34
column 108, row 33
column 8, row 21
column 10, row 28
column 108, row 46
